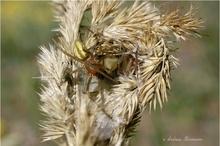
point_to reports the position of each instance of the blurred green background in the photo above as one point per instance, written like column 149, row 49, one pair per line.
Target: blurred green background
column 193, row 107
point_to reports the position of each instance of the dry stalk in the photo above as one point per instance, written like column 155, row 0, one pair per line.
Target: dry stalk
column 95, row 92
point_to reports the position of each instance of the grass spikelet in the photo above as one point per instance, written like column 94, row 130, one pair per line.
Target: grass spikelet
column 108, row 63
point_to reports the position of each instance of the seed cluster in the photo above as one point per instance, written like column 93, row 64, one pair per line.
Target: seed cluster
column 111, row 60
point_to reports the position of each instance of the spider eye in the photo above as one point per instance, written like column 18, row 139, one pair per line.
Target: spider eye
column 80, row 53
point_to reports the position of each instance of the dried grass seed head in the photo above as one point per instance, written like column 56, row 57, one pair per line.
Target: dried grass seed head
column 115, row 32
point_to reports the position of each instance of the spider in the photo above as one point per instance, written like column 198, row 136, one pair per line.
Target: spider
column 92, row 64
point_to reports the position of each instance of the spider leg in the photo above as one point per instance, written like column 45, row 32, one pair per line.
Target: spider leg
column 135, row 51
column 86, row 90
column 77, row 70
column 88, row 83
column 66, row 53
column 99, row 71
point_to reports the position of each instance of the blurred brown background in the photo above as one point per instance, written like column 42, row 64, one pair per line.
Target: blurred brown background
column 193, row 107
